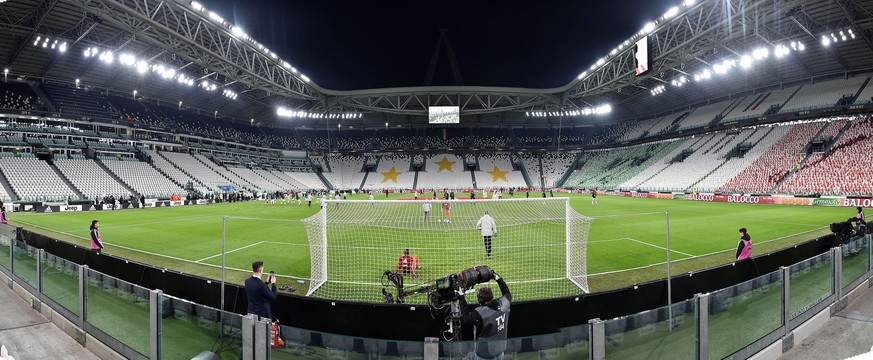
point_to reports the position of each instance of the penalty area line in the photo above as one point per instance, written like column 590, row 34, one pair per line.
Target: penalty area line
column 229, row 251
column 660, row 247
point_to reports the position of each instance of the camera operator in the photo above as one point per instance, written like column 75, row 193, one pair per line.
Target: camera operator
column 490, row 319
column 858, row 233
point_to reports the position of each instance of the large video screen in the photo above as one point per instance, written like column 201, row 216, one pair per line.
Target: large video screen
column 641, row 56
column 444, row 114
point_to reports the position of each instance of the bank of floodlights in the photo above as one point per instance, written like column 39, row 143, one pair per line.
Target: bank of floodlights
column 289, row 113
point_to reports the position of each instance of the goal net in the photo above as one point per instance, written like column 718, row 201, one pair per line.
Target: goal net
column 539, row 246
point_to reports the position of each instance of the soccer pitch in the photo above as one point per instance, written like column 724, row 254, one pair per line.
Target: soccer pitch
column 626, row 244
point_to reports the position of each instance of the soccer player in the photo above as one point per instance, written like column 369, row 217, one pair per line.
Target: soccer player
column 309, row 200
column 447, row 211
column 426, row 208
column 744, row 248
column 96, row 240
column 489, row 228
column 593, row 197
column 415, row 195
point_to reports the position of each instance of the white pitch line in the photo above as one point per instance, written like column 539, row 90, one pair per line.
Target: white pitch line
column 698, row 256
column 230, row 251
column 607, row 240
column 160, row 255
column 625, row 215
column 660, row 247
column 156, row 222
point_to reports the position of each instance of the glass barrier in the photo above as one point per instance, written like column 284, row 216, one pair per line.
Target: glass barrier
column 60, row 281
column 24, row 260
column 654, row 334
column 741, row 314
column 304, row 344
column 189, row 329
column 119, row 309
column 547, row 346
column 5, row 250
column 855, row 261
column 811, row 283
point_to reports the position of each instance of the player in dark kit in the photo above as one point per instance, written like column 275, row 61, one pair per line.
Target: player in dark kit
column 593, row 197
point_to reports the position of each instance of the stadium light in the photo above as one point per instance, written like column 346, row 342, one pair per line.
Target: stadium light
column 760, row 53
column 671, row 13
column 688, row 3
column 582, row 75
column 825, row 41
column 648, row 28
column 196, row 6
column 63, row 47
column 237, row 31
column 6, row 73
column 304, row 78
column 746, row 61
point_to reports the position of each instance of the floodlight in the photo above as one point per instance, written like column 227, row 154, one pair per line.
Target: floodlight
column 688, row 3
column 286, row 65
column 142, row 67
column 582, row 75
column 760, row 53
column 63, row 47
column 649, row 28
column 600, row 61
column 196, row 6
column 746, row 61
column 237, row 31
column 304, row 78
column 671, row 13
column 825, row 41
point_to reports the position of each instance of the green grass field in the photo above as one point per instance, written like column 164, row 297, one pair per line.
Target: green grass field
column 626, row 243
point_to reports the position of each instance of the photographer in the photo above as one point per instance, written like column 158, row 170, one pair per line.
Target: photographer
column 490, row 319
column 258, row 293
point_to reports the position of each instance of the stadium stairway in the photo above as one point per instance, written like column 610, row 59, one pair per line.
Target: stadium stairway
column 65, row 179
column 42, row 96
column 574, row 165
column 220, row 170
column 327, row 184
column 8, row 187
column 726, row 159
column 523, row 169
column 860, row 90
column 802, row 162
column 366, row 170
column 112, row 174
column 541, row 175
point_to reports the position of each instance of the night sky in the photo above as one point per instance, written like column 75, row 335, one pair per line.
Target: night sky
column 346, row 45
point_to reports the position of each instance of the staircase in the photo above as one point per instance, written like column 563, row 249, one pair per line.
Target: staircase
column 523, row 169
column 542, row 174
column 569, row 171
column 327, row 184
column 66, row 180
column 42, row 96
column 114, row 177
column 857, row 94
column 473, row 174
column 8, row 187
column 415, row 181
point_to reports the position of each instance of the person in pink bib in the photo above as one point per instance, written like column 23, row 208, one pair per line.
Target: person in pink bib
column 744, row 248
column 96, row 241
column 3, row 215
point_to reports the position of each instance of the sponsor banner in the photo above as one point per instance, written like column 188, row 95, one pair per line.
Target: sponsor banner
column 679, row 196
column 202, row 202
column 857, row 202
column 148, row 204
column 700, row 197
column 785, row 200
column 663, row 196
column 742, row 199
column 66, row 208
column 640, row 195
column 827, row 201
column 177, row 203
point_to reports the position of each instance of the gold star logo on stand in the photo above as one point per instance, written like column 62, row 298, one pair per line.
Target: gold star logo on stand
column 390, row 175
column 445, row 164
column 498, row 174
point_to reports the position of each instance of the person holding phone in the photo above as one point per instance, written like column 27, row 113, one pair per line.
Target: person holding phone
column 259, row 293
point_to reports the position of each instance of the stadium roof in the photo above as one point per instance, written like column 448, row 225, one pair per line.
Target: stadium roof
column 175, row 37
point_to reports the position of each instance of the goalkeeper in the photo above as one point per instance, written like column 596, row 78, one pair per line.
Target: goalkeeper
column 407, row 264
column 488, row 227
column 490, row 318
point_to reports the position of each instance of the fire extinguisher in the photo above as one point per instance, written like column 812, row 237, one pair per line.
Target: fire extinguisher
column 275, row 341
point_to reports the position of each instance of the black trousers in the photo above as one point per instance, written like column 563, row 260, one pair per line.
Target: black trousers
column 487, row 240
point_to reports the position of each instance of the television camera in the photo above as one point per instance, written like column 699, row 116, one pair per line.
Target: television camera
column 440, row 293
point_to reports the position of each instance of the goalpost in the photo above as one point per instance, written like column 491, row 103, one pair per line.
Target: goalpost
column 539, row 247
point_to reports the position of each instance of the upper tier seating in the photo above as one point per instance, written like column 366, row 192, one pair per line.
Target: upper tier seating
column 346, row 172
column 823, row 94
column 15, row 95
column 308, row 180
column 78, row 102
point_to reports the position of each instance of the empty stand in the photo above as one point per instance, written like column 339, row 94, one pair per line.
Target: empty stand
column 35, row 180
column 496, row 171
column 143, row 178
column 823, row 94
column 91, row 180
column 444, row 171
column 384, row 178
column 346, row 172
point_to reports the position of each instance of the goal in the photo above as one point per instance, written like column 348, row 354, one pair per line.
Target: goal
column 539, row 248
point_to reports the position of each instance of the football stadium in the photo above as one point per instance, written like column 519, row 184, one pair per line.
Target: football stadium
column 221, row 179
